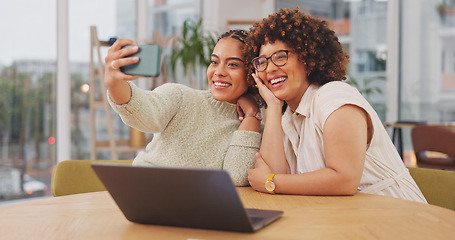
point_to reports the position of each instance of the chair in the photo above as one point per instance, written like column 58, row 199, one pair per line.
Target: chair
column 427, row 139
column 436, row 185
column 77, row 176
column 397, row 133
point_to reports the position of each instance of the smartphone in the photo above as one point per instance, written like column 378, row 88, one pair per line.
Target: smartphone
column 149, row 61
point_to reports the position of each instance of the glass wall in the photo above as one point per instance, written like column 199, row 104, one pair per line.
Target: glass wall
column 28, row 86
column 164, row 27
column 112, row 19
column 427, row 63
column 369, row 51
column 27, row 97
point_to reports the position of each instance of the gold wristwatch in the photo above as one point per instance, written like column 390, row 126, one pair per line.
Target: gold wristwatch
column 269, row 184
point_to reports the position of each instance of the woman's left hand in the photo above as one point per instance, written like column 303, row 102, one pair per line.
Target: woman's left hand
column 258, row 175
column 246, row 104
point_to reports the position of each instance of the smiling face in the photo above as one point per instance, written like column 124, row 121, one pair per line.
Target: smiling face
column 288, row 82
column 226, row 72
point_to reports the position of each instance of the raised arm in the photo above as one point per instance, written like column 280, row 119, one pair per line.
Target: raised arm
column 114, row 79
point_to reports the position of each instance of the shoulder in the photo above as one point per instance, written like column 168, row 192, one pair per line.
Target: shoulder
column 187, row 97
column 333, row 95
column 176, row 90
column 338, row 92
column 337, row 87
column 165, row 94
column 172, row 87
column 182, row 88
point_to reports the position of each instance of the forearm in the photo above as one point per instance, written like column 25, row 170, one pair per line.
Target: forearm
column 323, row 182
column 237, row 165
column 149, row 111
column 250, row 124
column 272, row 148
column 240, row 156
column 120, row 93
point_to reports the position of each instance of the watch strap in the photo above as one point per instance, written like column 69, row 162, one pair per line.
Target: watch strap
column 270, row 178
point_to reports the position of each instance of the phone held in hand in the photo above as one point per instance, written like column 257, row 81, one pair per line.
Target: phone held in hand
column 149, row 62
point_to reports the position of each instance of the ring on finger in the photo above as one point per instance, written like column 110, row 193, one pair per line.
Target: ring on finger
column 112, row 65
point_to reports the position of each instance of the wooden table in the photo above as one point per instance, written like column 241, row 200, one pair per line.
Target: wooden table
column 363, row 216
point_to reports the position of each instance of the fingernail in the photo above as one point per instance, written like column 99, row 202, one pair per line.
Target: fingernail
column 135, row 59
column 135, row 48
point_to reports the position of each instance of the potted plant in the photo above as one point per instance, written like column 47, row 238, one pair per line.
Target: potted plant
column 366, row 89
column 441, row 7
column 192, row 49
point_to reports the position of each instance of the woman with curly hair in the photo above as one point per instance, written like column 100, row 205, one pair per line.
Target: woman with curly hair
column 321, row 136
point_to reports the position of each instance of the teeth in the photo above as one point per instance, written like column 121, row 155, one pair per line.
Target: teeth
column 277, row 80
column 221, row 84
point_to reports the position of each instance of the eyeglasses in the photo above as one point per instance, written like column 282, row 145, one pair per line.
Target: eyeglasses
column 279, row 58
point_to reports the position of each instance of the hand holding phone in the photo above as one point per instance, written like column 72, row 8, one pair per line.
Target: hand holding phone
column 149, row 62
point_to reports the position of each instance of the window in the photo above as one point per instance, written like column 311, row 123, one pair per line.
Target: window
column 368, row 7
column 370, row 61
column 427, row 65
column 28, row 86
column 27, row 97
column 165, row 22
column 112, row 20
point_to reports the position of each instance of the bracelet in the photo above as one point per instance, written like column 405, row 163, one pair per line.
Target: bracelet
column 256, row 115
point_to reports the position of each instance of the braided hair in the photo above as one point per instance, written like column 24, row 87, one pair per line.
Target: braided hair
column 236, row 34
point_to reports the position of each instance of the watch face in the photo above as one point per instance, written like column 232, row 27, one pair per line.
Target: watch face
column 270, row 186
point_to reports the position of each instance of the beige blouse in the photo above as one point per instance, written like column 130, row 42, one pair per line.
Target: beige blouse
column 384, row 172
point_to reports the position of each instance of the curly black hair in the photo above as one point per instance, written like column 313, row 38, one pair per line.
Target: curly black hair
column 310, row 38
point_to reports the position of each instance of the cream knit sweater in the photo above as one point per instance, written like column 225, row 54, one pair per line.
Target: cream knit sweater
column 191, row 129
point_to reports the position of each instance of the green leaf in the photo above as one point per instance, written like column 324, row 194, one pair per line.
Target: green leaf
column 192, row 48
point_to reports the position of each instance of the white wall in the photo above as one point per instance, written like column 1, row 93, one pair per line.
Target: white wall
column 217, row 12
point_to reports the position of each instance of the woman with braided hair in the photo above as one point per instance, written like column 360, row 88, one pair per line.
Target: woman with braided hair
column 321, row 136
column 217, row 128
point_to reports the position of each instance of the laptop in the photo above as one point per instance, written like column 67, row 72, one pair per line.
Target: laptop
column 180, row 197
